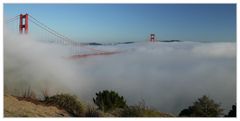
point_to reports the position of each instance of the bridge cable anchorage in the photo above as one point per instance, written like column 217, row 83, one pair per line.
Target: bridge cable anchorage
column 55, row 33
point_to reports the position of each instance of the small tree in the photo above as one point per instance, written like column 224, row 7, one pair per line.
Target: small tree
column 109, row 100
column 204, row 107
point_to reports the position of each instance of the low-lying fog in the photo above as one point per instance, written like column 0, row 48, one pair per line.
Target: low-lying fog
column 167, row 76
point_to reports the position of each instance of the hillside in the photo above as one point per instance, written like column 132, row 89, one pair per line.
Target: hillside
column 14, row 107
column 27, row 107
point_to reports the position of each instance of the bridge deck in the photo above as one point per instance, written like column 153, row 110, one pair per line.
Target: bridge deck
column 92, row 54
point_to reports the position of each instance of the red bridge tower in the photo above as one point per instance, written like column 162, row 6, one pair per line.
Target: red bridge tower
column 23, row 25
column 152, row 38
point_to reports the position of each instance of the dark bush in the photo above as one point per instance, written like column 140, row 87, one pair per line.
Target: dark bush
column 109, row 100
column 204, row 107
column 232, row 113
column 186, row 112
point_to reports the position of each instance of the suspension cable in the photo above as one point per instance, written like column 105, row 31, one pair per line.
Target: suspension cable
column 46, row 30
column 12, row 19
column 50, row 28
column 53, row 32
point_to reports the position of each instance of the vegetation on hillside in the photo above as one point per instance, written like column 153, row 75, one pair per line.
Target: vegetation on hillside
column 67, row 102
column 109, row 100
column 141, row 110
column 111, row 104
column 203, row 107
column 232, row 112
column 19, row 107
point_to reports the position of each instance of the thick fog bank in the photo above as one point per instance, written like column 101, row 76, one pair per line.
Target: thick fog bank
column 168, row 76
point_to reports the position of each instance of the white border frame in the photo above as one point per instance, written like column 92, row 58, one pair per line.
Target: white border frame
column 115, row 1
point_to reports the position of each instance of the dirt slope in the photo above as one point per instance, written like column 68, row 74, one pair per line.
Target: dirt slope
column 14, row 107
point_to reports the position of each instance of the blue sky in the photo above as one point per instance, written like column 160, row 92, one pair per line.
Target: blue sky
column 134, row 22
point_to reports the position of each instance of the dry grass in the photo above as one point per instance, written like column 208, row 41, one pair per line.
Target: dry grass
column 70, row 103
column 92, row 111
column 14, row 107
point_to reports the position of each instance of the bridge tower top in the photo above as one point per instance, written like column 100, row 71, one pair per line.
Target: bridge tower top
column 23, row 23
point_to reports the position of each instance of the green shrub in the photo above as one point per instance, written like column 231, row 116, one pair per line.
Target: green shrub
column 109, row 100
column 67, row 102
column 141, row 110
column 204, row 107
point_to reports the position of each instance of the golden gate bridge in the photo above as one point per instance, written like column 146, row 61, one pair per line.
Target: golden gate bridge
column 23, row 26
